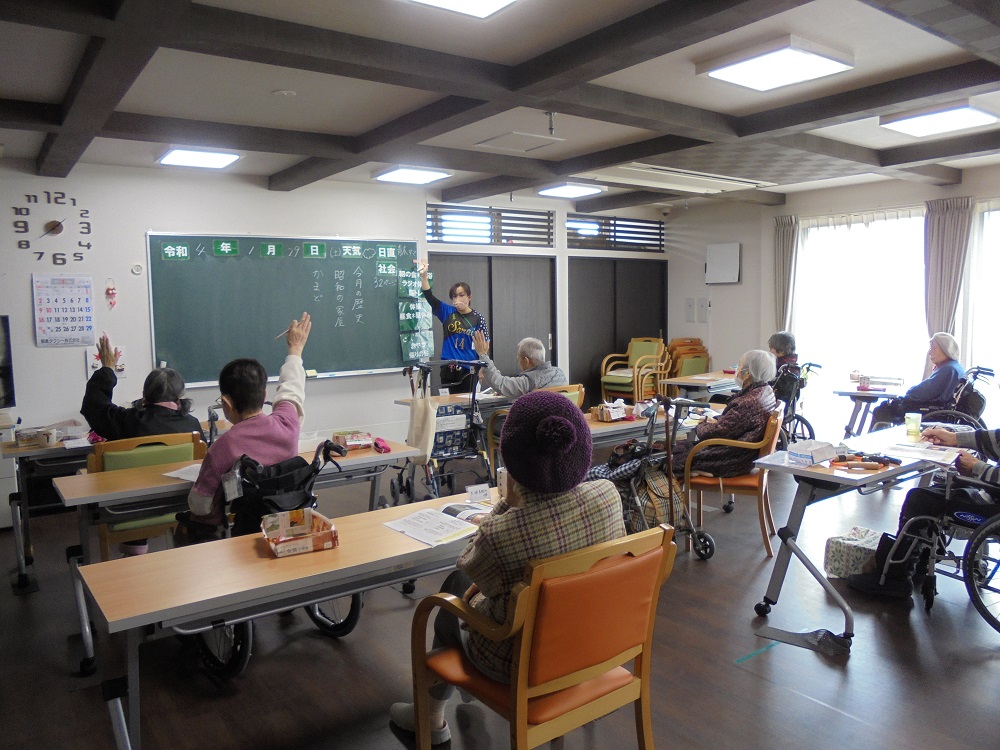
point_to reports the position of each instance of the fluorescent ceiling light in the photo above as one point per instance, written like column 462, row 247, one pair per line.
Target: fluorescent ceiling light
column 477, row 8
column 572, row 191
column 781, row 62
column 412, row 175
column 941, row 118
column 179, row 157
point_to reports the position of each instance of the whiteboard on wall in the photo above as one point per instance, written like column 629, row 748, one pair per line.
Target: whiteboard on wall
column 722, row 266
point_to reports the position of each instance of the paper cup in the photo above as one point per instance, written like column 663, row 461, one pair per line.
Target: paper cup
column 913, row 423
column 50, row 437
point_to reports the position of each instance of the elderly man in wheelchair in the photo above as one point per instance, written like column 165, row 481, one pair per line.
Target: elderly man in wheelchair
column 931, row 515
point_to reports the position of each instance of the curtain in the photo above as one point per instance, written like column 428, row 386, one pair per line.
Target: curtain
column 786, row 245
column 947, row 226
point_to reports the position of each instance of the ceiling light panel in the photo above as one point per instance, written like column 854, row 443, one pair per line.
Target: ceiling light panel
column 412, row 175
column 475, row 8
column 572, row 191
column 179, row 157
column 781, row 62
column 944, row 118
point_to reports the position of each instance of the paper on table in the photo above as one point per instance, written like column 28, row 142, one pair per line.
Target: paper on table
column 938, row 454
column 188, row 473
column 432, row 527
column 705, row 377
column 77, row 443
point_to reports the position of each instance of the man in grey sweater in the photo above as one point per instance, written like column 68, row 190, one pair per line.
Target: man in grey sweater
column 536, row 372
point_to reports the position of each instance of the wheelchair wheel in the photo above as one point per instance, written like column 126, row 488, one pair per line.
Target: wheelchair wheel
column 951, row 416
column 704, row 545
column 225, row 650
column 794, row 429
column 337, row 617
column 980, row 563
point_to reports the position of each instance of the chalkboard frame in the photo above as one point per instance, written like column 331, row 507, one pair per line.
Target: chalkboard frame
column 412, row 246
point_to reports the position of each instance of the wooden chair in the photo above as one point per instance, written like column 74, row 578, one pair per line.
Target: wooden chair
column 576, row 620
column 754, row 483
column 674, row 343
column 574, row 392
column 622, row 374
column 493, row 436
column 141, row 451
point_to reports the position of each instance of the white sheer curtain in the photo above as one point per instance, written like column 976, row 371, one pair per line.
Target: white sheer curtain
column 946, row 243
column 858, row 305
column 976, row 327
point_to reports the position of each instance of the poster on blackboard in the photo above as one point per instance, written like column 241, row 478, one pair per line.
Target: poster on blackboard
column 215, row 298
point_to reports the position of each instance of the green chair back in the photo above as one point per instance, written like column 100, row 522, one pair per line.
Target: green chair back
column 693, row 366
column 148, row 455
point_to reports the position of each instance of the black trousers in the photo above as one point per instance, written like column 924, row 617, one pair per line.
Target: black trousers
column 931, row 501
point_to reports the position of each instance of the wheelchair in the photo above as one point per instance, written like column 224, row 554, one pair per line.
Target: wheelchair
column 965, row 407
column 930, row 538
column 258, row 490
column 788, row 384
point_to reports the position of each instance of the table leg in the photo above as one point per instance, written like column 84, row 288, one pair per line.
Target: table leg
column 83, row 523
column 803, row 496
column 134, row 638
column 24, row 584
column 374, row 484
column 849, row 429
column 88, row 665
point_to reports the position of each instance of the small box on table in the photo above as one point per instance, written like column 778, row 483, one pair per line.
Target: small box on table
column 809, row 452
column 293, row 532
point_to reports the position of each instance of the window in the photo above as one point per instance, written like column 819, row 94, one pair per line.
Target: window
column 476, row 225
column 587, row 232
column 974, row 326
column 859, row 305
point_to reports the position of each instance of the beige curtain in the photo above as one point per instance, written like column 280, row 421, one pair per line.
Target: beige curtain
column 947, row 227
column 786, row 246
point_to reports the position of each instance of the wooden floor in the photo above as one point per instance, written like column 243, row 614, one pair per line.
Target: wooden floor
column 912, row 680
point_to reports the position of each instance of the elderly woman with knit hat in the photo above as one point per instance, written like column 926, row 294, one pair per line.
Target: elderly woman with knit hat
column 546, row 447
column 935, row 391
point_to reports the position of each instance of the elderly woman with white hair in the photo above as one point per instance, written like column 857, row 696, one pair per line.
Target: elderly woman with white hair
column 744, row 418
column 934, row 392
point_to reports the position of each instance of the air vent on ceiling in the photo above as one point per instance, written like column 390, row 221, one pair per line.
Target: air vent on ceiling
column 668, row 178
column 520, row 143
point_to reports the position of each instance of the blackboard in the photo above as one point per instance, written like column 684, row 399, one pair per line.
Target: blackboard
column 214, row 298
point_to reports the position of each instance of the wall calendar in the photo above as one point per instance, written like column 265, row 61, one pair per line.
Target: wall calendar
column 64, row 310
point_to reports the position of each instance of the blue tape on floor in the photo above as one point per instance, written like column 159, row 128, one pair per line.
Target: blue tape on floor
column 752, row 654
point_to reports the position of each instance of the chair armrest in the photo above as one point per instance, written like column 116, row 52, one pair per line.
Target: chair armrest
column 516, row 610
column 954, row 479
column 611, row 361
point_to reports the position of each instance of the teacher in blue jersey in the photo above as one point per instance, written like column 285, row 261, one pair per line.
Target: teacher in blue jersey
column 460, row 323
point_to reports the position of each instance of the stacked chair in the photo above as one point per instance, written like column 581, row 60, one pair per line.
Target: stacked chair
column 688, row 356
column 635, row 375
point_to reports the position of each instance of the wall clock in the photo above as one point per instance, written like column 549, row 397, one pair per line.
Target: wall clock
column 53, row 226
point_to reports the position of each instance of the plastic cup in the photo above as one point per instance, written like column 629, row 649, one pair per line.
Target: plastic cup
column 913, row 423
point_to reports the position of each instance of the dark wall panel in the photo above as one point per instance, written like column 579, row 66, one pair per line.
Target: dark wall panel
column 522, row 306
column 591, row 321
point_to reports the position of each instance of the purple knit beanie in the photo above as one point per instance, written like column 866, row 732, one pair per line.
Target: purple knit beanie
column 545, row 442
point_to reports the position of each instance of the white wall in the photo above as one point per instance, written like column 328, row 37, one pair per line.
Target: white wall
column 125, row 203
column 742, row 315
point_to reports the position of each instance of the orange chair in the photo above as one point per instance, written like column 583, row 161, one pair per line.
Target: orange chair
column 674, row 343
column 754, row 483
column 576, row 620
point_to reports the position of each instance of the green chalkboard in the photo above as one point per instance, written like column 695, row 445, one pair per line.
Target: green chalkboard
column 218, row 297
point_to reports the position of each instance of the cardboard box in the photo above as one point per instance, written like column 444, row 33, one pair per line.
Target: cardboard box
column 809, row 452
column 353, row 440
column 845, row 555
column 610, row 412
column 296, row 531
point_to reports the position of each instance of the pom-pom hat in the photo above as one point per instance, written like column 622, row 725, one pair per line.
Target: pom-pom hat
column 545, row 442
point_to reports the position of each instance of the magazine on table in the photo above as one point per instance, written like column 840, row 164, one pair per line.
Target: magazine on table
column 433, row 527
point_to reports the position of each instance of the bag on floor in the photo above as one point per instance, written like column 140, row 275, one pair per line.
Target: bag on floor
column 661, row 498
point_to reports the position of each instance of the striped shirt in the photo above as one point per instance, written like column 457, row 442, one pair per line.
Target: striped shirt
column 544, row 525
column 987, row 442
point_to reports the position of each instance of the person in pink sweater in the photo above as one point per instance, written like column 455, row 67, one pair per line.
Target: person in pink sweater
column 266, row 438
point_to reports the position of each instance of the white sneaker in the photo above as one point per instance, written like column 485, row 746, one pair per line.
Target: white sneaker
column 403, row 717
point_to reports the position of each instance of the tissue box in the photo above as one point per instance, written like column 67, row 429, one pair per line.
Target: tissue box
column 846, row 554
column 353, row 440
column 809, row 452
column 296, row 531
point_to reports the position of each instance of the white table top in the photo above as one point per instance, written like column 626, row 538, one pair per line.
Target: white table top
column 172, row 586
column 874, row 442
column 853, row 392
column 151, row 482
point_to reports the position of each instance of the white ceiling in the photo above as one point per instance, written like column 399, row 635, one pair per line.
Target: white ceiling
column 402, row 82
